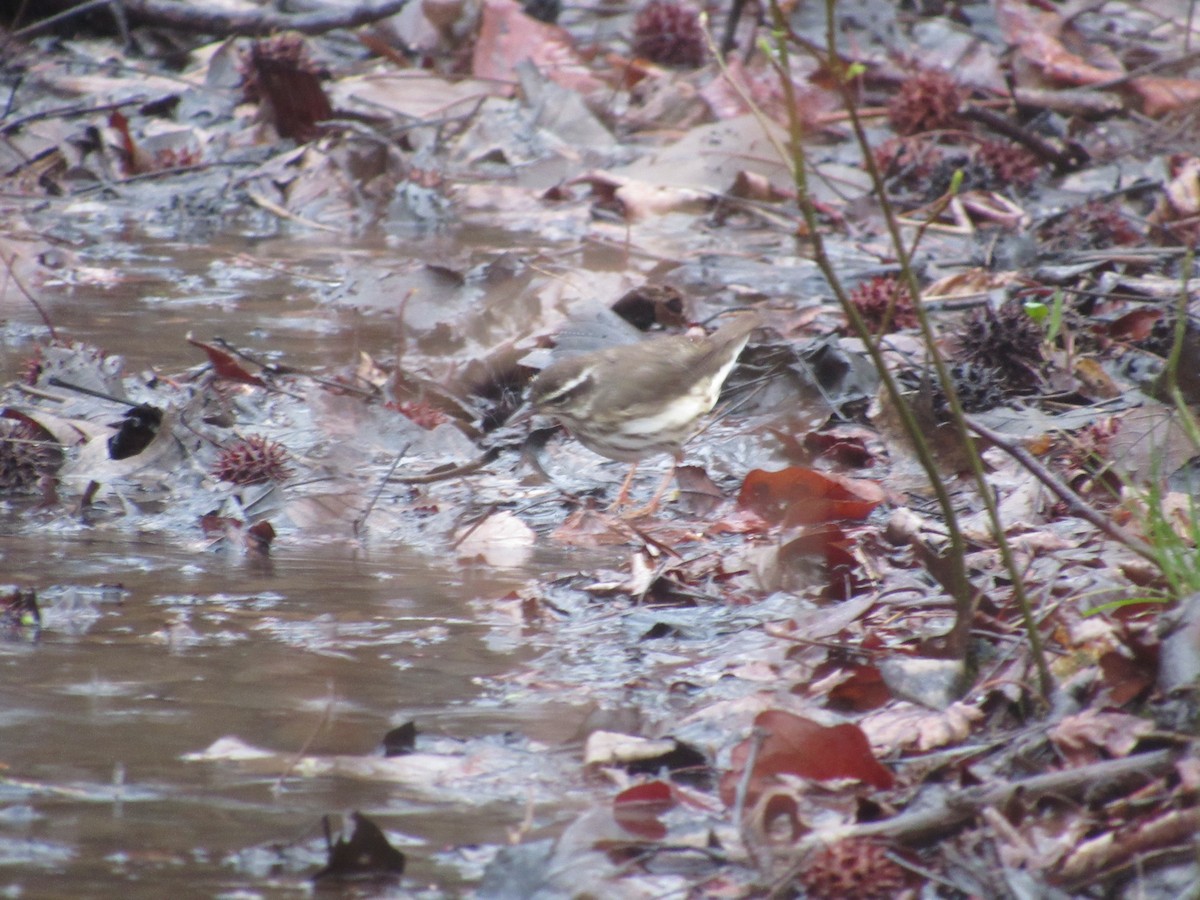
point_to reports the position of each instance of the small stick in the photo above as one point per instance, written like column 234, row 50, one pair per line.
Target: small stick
column 361, row 521
column 55, row 381
column 1063, row 491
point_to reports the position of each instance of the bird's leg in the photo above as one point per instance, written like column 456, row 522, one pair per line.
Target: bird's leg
column 623, row 494
column 652, row 507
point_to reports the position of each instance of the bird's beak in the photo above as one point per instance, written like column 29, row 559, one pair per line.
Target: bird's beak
column 520, row 415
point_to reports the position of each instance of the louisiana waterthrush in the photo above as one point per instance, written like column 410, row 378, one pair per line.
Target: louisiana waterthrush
column 637, row 400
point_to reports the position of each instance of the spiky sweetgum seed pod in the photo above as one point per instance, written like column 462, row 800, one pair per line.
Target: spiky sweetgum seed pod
column 1094, row 225
column 419, row 412
column 25, row 456
column 669, row 33
column 873, row 298
column 928, row 101
column 254, row 460
column 851, row 870
column 1007, row 339
column 1010, row 165
column 285, row 50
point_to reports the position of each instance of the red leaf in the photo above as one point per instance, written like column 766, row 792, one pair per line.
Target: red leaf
column 796, row 496
column 847, row 451
column 794, row 745
column 803, row 747
column 226, row 366
column 133, row 157
column 829, row 544
column 863, row 690
column 1136, row 325
column 637, row 809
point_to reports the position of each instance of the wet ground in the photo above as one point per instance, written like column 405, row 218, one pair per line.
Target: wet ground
column 153, row 649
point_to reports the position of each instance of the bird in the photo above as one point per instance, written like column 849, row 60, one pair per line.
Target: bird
column 634, row 401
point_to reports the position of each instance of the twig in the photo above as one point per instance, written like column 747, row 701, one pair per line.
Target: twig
column 961, row 807
column 362, row 520
column 1063, row 160
column 453, row 472
column 48, row 24
column 274, row 208
column 322, row 724
column 1075, row 503
column 55, row 381
column 12, row 273
column 260, row 23
column 78, row 109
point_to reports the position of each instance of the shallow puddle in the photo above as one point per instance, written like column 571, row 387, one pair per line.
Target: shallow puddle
column 148, row 655
column 185, row 716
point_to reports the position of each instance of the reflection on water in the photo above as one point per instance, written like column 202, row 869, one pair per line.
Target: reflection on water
column 150, row 653
column 147, row 654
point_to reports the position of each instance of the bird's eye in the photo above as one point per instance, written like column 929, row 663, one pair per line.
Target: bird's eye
column 571, row 393
column 568, row 392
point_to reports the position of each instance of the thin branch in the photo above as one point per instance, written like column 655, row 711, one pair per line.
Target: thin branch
column 1075, row 504
column 260, row 23
column 963, row 806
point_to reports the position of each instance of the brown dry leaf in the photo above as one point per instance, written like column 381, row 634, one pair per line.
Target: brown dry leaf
column 757, row 187
column 637, row 809
column 1181, row 196
column 666, row 101
column 414, row 94
column 67, row 432
column 794, row 745
column 1126, row 678
column 367, row 371
column 863, row 689
column 1160, row 96
column 1078, row 737
column 1038, row 844
column 708, row 158
column 697, row 491
column 509, row 37
column 610, row 748
column 991, row 208
column 1038, row 35
column 1137, row 324
column 969, row 283
column 816, row 624
column 905, row 726
column 1095, row 383
column 1172, row 832
column 331, row 513
column 1150, row 443
column 225, row 365
column 761, row 85
column 798, row 496
column 589, row 528
column 642, row 199
column 501, row 540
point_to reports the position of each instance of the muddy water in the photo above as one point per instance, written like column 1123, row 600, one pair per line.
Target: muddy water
column 148, row 655
column 150, row 652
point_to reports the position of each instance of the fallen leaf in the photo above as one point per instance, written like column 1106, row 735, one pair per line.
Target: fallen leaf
column 500, row 540
column 797, row 496
column 1078, row 737
column 637, row 809
column 794, row 745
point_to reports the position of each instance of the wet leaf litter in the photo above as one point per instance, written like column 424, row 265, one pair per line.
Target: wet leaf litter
column 480, row 182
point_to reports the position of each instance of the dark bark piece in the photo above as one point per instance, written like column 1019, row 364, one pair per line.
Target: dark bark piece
column 259, row 23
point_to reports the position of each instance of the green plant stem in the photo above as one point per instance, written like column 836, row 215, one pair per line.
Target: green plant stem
column 1171, row 373
column 960, row 588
